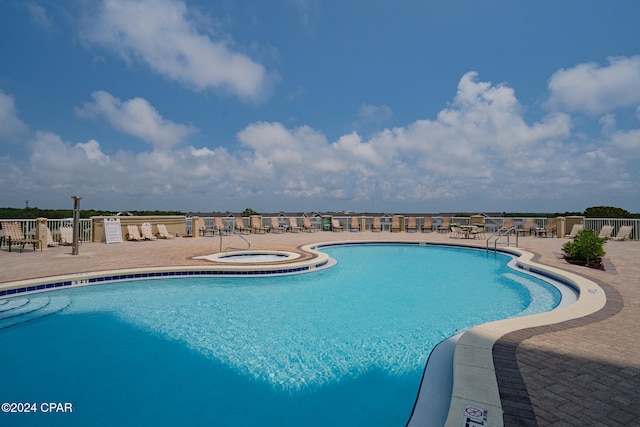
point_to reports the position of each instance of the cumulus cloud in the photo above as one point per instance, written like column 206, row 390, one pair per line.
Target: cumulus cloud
column 12, row 129
column 596, row 89
column 161, row 34
column 478, row 151
column 136, row 117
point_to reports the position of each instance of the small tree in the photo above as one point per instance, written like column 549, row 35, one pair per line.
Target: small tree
column 586, row 248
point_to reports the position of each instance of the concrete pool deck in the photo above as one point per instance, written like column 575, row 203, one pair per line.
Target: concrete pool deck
column 583, row 371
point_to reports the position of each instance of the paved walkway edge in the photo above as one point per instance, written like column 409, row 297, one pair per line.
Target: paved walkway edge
column 475, row 381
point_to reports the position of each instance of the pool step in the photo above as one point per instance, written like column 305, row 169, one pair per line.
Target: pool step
column 14, row 303
column 34, row 308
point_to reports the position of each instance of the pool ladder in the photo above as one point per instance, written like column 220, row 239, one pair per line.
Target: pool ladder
column 500, row 234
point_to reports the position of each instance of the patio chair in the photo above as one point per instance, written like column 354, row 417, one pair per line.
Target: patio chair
column 427, row 224
column 163, row 233
column 293, row 226
column 307, row 226
column 455, row 231
column 133, row 233
column 219, row 226
column 13, row 235
column 146, row 231
column 574, row 230
column 549, row 229
column 411, row 224
column 355, row 224
column 256, row 225
column 240, row 227
column 66, row 235
column 623, row 233
column 445, row 225
column 275, row 226
column 605, row 232
column 50, row 241
column 202, row 228
column 529, row 225
column 377, row 224
column 336, row 226
column 507, row 224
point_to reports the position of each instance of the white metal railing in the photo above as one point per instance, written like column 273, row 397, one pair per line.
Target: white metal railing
column 28, row 227
column 491, row 224
column 596, row 224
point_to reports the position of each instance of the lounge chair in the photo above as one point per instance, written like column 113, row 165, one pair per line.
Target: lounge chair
column 240, row 227
column 256, row 225
column 411, row 224
column 219, row 226
column 475, row 232
column 427, row 224
column 275, row 226
column 293, row 226
column 163, row 233
column 66, row 235
column 202, row 228
column 574, row 230
column 455, row 231
column 377, row 224
column 623, row 233
column 146, row 231
column 506, row 225
column 307, row 226
column 549, row 229
column 133, row 233
column 529, row 225
column 445, row 225
column 605, row 232
column 355, row 224
column 13, row 235
column 50, row 241
column 336, row 226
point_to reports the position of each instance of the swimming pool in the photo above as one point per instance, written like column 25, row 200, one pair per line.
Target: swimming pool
column 342, row 346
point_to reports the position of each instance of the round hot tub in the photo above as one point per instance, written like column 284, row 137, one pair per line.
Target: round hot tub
column 251, row 256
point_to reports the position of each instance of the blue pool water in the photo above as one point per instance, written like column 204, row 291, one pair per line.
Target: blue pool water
column 342, row 346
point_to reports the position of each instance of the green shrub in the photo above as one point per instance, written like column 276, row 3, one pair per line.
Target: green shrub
column 586, row 247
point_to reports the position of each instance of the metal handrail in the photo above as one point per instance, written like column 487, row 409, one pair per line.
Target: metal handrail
column 499, row 234
column 236, row 249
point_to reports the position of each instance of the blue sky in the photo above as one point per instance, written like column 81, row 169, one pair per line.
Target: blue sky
column 301, row 105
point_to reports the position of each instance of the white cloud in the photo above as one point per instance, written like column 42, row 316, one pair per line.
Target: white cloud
column 12, row 129
column 39, row 16
column 479, row 151
column 375, row 113
column 138, row 118
column 161, row 34
column 596, row 89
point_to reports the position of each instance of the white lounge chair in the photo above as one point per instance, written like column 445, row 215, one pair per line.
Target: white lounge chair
column 574, row 230
column 146, row 231
column 623, row 233
column 293, row 226
column 275, row 226
column 605, row 232
column 133, row 233
column 307, row 226
column 336, row 226
column 66, row 235
column 163, row 233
